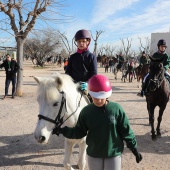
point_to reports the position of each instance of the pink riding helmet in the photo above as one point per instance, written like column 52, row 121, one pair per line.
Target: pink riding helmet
column 99, row 87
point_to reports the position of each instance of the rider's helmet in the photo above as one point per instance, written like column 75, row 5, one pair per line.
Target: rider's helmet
column 143, row 52
column 161, row 42
column 82, row 34
column 99, row 87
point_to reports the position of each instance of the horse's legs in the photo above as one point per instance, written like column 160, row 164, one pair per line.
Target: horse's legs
column 161, row 110
column 151, row 120
column 115, row 73
column 82, row 155
column 67, row 155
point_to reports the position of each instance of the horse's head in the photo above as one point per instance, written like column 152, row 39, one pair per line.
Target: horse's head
column 156, row 73
column 51, row 94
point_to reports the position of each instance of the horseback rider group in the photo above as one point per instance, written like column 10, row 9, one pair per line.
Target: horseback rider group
column 160, row 54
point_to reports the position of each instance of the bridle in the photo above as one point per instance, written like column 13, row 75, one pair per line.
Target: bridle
column 157, row 80
column 59, row 120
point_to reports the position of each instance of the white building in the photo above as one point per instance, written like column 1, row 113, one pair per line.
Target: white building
column 155, row 37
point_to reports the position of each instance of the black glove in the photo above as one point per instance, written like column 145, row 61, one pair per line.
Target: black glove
column 137, row 155
column 58, row 130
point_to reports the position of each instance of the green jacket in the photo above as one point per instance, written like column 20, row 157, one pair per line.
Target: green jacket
column 143, row 60
column 106, row 129
column 166, row 62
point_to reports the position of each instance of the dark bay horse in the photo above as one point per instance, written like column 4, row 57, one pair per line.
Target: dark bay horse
column 130, row 71
column 141, row 71
column 158, row 94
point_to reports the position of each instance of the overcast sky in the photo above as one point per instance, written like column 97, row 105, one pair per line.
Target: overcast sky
column 118, row 19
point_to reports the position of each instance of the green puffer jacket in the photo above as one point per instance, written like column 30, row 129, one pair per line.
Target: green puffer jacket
column 143, row 60
column 166, row 61
column 106, row 129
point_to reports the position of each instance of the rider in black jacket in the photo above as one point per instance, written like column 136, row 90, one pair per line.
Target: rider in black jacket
column 82, row 65
column 11, row 68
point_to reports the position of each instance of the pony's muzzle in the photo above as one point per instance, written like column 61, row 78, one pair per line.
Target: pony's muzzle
column 40, row 139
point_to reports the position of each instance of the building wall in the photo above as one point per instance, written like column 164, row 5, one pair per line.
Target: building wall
column 155, row 37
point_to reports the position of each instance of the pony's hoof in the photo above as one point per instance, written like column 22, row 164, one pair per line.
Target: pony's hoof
column 159, row 135
column 154, row 137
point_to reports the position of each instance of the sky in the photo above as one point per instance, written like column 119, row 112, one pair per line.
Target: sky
column 117, row 19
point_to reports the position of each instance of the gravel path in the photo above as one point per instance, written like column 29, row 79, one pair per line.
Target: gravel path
column 19, row 150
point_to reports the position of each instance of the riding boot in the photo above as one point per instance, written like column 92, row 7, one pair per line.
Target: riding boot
column 144, row 88
column 141, row 93
column 167, row 77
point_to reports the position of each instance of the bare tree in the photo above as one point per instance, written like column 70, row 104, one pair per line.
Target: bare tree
column 126, row 49
column 98, row 33
column 41, row 47
column 145, row 47
column 106, row 48
column 111, row 50
column 66, row 43
column 21, row 19
column 100, row 50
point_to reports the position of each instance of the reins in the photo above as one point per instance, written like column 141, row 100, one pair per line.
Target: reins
column 158, row 81
column 59, row 120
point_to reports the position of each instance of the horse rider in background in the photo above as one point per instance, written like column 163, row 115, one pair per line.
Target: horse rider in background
column 143, row 60
column 121, row 60
column 160, row 54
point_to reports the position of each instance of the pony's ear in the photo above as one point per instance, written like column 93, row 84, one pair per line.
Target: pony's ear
column 37, row 79
column 59, row 82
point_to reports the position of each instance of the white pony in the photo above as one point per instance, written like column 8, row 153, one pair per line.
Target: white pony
column 60, row 103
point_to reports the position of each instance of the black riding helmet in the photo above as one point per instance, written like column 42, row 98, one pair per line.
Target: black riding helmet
column 161, row 42
column 82, row 34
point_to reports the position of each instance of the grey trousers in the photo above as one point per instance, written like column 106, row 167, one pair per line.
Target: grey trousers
column 113, row 163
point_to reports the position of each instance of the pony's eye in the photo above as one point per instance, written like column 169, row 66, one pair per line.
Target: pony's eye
column 55, row 104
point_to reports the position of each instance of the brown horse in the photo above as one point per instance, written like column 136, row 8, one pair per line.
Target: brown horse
column 141, row 71
column 103, row 60
column 158, row 86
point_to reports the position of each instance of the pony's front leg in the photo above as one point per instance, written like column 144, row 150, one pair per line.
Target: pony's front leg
column 67, row 154
column 161, row 110
column 82, row 155
column 151, row 120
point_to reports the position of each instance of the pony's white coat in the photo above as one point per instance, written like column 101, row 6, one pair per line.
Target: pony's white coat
column 48, row 94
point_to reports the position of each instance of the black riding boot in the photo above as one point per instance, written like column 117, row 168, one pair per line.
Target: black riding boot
column 167, row 77
column 144, row 88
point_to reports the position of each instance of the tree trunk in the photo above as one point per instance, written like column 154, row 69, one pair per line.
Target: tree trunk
column 95, row 49
column 20, row 45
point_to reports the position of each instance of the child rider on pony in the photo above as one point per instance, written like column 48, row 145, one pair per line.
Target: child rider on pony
column 106, row 126
column 82, row 65
column 160, row 54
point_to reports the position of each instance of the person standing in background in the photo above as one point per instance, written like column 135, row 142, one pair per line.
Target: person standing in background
column 11, row 68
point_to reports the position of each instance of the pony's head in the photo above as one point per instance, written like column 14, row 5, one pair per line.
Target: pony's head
column 156, row 73
column 50, row 94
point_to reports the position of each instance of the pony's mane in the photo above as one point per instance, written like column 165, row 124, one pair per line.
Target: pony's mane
column 49, row 88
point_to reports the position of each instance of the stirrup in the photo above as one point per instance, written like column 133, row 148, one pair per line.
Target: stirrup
column 140, row 94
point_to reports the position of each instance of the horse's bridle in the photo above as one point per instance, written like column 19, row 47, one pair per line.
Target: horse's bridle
column 59, row 119
column 157, row 81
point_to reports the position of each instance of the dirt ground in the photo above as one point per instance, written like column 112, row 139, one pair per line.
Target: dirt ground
column 20, row 151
